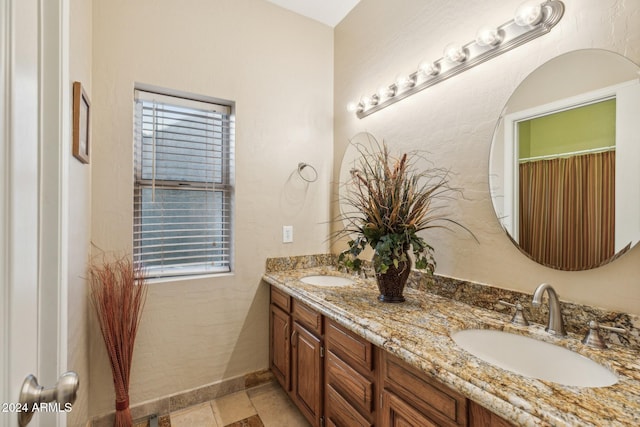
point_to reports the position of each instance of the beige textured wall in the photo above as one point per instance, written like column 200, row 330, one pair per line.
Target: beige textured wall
column 455, row 120
column 79, row 219
column 278, row 68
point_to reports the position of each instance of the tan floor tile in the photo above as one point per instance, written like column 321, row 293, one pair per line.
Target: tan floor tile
column 266, row 388
column 197, row 415
column 275, row 408
column 231, row 408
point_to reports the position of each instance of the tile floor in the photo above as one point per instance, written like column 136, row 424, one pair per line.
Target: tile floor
column 266, row 405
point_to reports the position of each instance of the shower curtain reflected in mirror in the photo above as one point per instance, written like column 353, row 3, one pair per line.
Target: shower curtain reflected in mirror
column 567, row 210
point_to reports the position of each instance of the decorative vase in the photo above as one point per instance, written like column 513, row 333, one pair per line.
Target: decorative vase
column 391, row 283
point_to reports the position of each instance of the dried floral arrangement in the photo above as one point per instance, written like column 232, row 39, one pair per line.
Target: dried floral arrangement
column 118, row 293
column 387, row 202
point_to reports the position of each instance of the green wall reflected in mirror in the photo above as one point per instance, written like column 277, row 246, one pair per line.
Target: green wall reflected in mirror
column 588, row 127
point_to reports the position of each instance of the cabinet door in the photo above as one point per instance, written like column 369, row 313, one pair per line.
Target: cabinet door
column 482, row 417
column 397, row 413
column 279, row 351
column 306, row 371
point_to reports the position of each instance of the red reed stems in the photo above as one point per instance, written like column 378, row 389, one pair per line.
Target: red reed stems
column 118, row 293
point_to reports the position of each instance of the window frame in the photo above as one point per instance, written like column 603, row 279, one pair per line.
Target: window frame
column 226, row 186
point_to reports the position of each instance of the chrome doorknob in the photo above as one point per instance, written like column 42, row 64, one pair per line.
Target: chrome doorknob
column 32, row 395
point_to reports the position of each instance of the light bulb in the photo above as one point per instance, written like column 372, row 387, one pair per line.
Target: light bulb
column 369, row 100
column 455, row 53
column 354, row 107
column 385, row 92
column 528, row 13
column 488, row 36
column 403, row 81
column 429, row 68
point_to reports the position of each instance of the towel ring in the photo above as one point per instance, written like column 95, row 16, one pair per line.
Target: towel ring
column 313, row 176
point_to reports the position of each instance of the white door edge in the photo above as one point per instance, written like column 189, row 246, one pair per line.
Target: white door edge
column 4, row 139
column 55, row 137
column 34, row 160
column 19, row 197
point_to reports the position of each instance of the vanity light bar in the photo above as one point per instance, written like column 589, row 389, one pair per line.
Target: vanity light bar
column 532, row 19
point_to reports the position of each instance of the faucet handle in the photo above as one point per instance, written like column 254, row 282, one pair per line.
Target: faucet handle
column 593, row 337
column 518, row 317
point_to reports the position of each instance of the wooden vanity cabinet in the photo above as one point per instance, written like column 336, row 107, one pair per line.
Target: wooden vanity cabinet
column 482, row 417
column 279, row 333
column 306, row 373
column 307, row 354
column 395, row 412
column 412, row 398
column 296, row 353
column 350, row 378
column 353, row 383
column 405, row 387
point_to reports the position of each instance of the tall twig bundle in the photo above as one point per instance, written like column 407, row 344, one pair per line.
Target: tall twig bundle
column 118, row 293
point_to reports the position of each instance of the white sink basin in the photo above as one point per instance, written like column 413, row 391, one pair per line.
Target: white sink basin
column 533, row 358
column 324, row 280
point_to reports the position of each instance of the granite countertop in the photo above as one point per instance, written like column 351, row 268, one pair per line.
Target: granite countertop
column 418, row 331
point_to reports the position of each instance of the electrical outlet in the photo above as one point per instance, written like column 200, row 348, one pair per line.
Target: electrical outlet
column 287, row 234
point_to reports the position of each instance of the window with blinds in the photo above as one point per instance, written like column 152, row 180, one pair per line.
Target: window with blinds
column 183, row 192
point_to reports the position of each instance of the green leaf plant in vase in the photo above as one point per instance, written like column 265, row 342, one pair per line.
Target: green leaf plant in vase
column 385, row 205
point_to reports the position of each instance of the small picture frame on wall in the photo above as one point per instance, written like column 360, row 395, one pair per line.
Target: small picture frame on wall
column 81, row 121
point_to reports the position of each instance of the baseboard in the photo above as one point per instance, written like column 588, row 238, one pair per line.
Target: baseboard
column 165, row 405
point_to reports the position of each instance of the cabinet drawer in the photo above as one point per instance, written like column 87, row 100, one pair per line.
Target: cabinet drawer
column 340, row 414
column 435, row 400
column 397, row 413
column 352, row 386
column 307, row 317
column 280, row 299
column 350, row 347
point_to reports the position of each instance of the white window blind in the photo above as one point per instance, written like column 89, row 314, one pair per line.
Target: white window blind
column 183, row 189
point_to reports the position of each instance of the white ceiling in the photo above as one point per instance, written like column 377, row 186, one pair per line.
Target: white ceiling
column 329, row 12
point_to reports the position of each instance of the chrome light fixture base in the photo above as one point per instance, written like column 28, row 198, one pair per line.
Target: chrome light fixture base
column 511, row 35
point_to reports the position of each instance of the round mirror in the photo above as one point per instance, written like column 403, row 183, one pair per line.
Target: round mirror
column 564, row 169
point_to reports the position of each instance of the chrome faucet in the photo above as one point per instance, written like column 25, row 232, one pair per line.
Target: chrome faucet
column 555, row 325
